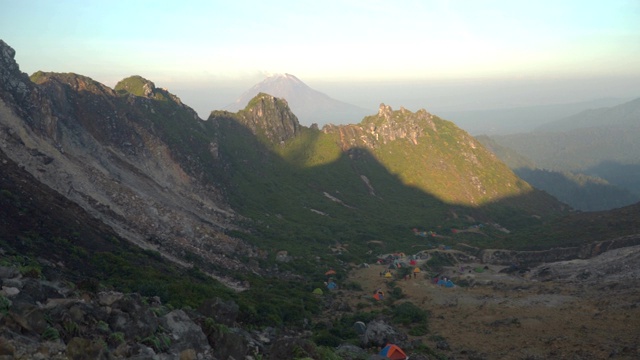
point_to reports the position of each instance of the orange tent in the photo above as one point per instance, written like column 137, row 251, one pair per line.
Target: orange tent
column 393, row 352
column 330, row 272
column 416, row 270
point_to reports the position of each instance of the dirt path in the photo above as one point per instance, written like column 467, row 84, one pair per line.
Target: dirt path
column 511, row 317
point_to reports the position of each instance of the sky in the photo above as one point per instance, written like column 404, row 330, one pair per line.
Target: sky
column 439, row 53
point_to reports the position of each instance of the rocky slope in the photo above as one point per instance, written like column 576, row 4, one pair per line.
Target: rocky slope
column 109, row 151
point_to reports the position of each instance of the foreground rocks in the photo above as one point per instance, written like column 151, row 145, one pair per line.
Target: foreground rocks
column 42, row 319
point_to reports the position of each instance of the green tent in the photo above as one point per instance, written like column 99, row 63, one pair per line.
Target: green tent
column 318, row 291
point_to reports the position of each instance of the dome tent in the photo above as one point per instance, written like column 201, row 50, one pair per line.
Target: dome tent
column 393, row 352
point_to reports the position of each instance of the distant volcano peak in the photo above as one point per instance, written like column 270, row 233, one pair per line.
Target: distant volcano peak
column 309, row 105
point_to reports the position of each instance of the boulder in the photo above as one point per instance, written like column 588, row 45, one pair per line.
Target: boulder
column 379, row 333
column 223, row 312
column 85, row 349
column 292, row 348
column 184, row 333
column 8, row 272
column 235, row 343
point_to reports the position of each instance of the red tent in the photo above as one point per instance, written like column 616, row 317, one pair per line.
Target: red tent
column 393, row 352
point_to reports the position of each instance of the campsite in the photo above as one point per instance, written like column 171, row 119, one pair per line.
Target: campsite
column 549, row 311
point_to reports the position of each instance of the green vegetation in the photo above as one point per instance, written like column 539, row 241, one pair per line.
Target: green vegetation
column 5, row 305
column 50, row 334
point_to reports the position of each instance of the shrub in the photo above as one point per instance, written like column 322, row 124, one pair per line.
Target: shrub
column 407, row 313
column 325, row 338
column 50, row 334
column 5, row 304
column 116, row 338
column 159, row 342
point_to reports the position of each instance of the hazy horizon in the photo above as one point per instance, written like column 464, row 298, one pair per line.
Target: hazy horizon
column 438, row 97
column 435, row 54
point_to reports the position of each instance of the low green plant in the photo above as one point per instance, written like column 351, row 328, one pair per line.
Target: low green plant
column 102, row 326
column 71, row 329
column 31, row 271
column 211, row 326
column 159, row 342
column 116, row 338
column 50, row 334
column 5, row 304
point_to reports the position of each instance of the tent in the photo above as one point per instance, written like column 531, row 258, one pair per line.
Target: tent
column 393, row 352
column 317, row 291
column 332, row 285
column 416, row 270
column 378, row 295
column 387, row 274
column 359, row 327
column 330, row 272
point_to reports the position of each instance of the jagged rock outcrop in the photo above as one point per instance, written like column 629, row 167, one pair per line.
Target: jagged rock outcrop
column 270, row 117
column 385, row 127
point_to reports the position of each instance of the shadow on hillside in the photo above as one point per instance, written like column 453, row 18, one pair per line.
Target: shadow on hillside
column 579, row 191
column 626, row 176
column 353, row 198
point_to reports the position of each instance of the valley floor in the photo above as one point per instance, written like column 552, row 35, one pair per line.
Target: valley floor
column 506, row 316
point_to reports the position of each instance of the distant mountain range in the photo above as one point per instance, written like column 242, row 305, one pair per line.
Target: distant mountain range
column 309, row 105
column 521, row 119
column 601, row 143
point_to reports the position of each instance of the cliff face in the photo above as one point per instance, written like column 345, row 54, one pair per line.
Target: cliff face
column 115, row 154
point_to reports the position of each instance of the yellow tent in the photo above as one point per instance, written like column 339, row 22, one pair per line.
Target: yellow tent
column 387, row 275
column 416, row 270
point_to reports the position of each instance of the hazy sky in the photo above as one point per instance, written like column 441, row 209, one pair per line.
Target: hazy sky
column 217, row 49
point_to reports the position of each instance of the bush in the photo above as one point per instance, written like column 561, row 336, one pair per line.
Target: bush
column 407, row 313
column 325, row 338
column 5, row 304
column 50, row 334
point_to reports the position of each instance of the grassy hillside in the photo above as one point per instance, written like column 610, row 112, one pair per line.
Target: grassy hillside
column 309, row 193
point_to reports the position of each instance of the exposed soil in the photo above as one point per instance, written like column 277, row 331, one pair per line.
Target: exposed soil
column 550, row 312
